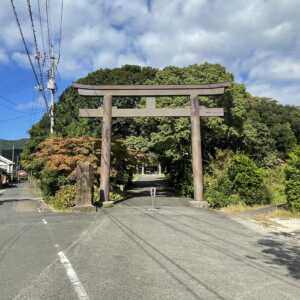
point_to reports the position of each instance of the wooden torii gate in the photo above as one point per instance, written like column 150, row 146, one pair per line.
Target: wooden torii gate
column 194, row 112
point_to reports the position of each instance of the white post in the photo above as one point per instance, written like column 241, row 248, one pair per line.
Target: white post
column 52, row 112
column 52, row 88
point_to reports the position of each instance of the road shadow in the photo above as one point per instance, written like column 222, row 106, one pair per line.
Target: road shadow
column 142, row 188
column 138, row 194
column 14, row 200
column 282, row 253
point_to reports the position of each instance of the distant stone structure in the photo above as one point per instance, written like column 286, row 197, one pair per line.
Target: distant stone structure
column 85, row 184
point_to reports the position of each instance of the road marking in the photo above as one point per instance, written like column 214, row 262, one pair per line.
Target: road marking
column 77, row 285
column 44, row 221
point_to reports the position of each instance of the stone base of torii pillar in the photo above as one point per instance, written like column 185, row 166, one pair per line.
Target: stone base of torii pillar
column 199, row 204
column 107, row 204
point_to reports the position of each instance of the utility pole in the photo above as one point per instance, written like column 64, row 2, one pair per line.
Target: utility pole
column 52, row 87
column 13, row 158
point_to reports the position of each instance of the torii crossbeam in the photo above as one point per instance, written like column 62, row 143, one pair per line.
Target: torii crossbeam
column 194, row 112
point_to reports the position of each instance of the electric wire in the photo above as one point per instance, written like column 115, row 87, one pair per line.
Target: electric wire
column 41, row 26
column 60, row 30
column 42, row 84
column 24, row 42
column 26, row 49
column 11, row 105
column 19, row 117
column 8, row 101
column 5, row 106
column 48, row 28
column 42, row 58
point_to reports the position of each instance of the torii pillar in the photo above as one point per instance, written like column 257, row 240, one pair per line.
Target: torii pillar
column 196, row 153
column 106, row 148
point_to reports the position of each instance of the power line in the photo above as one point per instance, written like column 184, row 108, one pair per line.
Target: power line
column 41, row 27
column 32, row 26
column 38, row 54
column 48, row 28
column 12, row 105
column 10, row 108
column 19, row 117
column 43, row 58
column 24, row 42
column 8, row 101
column 27, row 50
column 60, row 30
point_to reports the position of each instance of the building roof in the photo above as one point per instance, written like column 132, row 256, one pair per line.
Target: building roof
column 6, row 161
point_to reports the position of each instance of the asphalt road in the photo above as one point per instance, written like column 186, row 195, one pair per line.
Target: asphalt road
column 134, row 252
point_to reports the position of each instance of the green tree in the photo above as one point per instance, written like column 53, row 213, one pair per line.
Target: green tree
column 292, row 173
column 285, row 138
column 235, row 178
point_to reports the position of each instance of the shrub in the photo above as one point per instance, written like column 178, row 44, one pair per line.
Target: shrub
column 247, row 180
column 235, row 178
column 55, row 160
column 50, row 181
column 116, row 196
column 64, row 197
column 292, row 183
column 274, row 180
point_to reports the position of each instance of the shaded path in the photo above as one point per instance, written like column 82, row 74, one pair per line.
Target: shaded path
column 139, row 194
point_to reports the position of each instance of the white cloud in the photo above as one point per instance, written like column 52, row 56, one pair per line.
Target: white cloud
column 30, row 105
column 284, row 69
column 257, row 40
column 3, row 56
column 277, row 92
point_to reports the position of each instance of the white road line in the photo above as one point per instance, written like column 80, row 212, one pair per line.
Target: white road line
column 77, row 285
column 44, row 221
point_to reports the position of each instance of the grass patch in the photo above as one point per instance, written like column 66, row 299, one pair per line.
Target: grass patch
column 136, row 177
column 280, row 213
column 265, row 220
column 240, row 208
column 269, row 219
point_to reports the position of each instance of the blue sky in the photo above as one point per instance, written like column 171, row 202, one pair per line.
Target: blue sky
column 258, row 41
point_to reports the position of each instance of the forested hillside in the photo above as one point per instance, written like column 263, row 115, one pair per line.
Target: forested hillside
column 7, row 145
column 257, row 134
column 12, row 148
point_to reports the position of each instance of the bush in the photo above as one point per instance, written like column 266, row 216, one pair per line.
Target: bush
column 64, row 197
column 115, row 196
column 274, row 180
column 292, row 183
column 55, row 160
column 50, row 181
column 247, row 180
column 235, row 178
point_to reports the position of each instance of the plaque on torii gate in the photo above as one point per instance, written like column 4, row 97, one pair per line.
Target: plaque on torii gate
column 195, row 111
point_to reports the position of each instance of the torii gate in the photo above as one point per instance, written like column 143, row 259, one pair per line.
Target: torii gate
column 194, row 112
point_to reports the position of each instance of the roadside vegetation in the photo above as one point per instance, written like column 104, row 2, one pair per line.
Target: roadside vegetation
column 54, row 161
column 250, row 156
